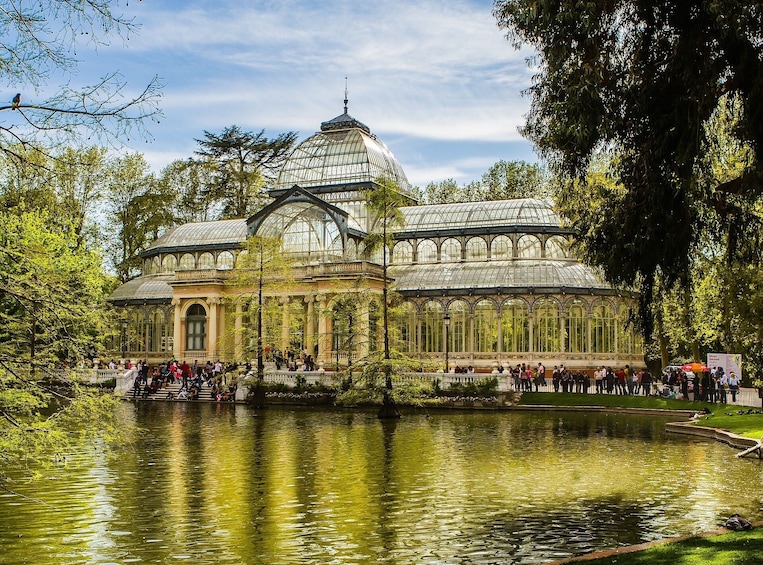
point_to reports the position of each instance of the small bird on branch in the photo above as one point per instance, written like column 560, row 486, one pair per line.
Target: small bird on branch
column 16, row 101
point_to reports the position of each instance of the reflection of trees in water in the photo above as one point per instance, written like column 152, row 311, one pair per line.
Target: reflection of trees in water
column 543, row 533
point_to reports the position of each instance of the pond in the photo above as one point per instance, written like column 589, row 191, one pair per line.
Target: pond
column 209, row 483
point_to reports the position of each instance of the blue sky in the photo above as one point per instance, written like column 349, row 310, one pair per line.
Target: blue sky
column 437, row 81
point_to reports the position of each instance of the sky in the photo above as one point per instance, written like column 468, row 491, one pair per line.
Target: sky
column 436, row 80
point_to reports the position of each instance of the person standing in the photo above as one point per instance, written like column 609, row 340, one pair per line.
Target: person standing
column 733, row 382
column 185, row 372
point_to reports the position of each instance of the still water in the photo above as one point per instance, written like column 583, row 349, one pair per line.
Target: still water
column 225, row 484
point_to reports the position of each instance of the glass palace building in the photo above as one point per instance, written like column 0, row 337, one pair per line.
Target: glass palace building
column 495, row 280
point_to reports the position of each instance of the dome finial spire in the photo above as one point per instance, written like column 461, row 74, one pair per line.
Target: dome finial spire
column 345, row 94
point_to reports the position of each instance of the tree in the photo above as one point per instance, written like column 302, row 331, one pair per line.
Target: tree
column 138, row 210
column 263, row 269
column 642, row 80
column 384, row 200
column 244, row 164
column 39, row 44
column 187, row 180
column 51, row 316
column 506, row 180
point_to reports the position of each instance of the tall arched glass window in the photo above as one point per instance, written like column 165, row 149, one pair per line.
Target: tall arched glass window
column 450, row 250
column 476, row 249
column 602, row 328
column 432, row 328
column 546, row 326
column 556, row 247
column 485, row 327
column 169, row 264
column 156, row 265
column 402, row 253
column 405, row 325
column 136, row 333
column 515, row 326
column 427, row 251
column 500, row 247
column 576, row 330
column 225, row 260
column 187, row 262
column 458, row 332
column 196, row 328
column 528, row 247
column 206, row 261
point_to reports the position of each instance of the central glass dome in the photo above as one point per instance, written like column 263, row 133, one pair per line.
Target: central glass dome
column 343, row 152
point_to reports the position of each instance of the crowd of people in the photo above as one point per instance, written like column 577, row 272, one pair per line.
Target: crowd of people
column 714, row 385
column 195, row 379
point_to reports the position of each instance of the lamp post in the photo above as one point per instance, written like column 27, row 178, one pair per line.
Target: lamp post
column 446, row 321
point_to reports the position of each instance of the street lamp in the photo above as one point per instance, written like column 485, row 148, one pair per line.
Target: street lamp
column 446, row 321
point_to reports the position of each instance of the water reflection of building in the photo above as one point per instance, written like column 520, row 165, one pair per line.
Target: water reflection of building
column 501, row 272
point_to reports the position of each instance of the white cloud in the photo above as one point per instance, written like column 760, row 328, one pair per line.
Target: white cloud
column 426, row 71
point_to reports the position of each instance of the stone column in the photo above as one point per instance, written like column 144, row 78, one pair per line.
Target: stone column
column 310, row 325
column 177, row 331
column 212, row 337
column 324, row 331
column 237, row 332
column 285, row 323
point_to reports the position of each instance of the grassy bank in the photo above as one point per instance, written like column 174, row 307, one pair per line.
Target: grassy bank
column 610, row 401
column 737, row 548
column 740, row 420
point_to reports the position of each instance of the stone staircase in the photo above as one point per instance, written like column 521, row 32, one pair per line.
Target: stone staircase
column 168, row 392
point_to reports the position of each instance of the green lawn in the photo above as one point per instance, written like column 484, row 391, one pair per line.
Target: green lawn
column 737, row 548
column 724, row 416
column 609, row 400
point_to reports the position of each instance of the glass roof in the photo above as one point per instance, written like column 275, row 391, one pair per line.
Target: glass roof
column 496, row 274
column 340, row 156
column 149, row 287
column 202, row 234
column 519, row 212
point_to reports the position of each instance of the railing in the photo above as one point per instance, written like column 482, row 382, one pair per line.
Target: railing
column 203, row 275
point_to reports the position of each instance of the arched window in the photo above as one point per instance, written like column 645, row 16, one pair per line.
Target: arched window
column 225, row 260
column 169, row 264
column 528, row 247
column 602, row 328
column 458, row 332
column 206, row 261
column 196, row 328
column 556, row 247
column 450, row 251
column 515, row 326
column 476, row 249
column 427, row 251
column 432, row 328
column 546, row 326
column 160, row 330
column 136, row 332
column 576, row 330
column 500, row 247
column 485, row 327
column 402, row 253
column 405, row 324
column 187, row 262
column 156, row 265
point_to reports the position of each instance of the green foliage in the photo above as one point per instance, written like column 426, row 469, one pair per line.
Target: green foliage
column 504, row 180
column 138, row 211
column 646, row 81
column 244, row 163
column 483, row 387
